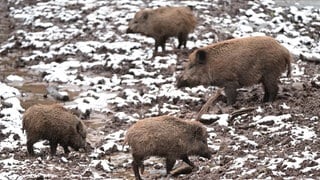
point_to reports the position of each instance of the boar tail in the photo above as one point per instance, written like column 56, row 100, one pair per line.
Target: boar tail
column 23, row 126
column 289, row 67
column 289, row 70
column 125, row 141
column 190, row 7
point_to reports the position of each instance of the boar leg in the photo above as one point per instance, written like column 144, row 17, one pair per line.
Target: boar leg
column 270, row 89
column 160, row 42
column 136, row 163
column 182, row 37
column 187, row 160
column 30, row 143
column 231, row 92
column 66, row 149
column 169, row 164
column 53, row 147
column 141, row 168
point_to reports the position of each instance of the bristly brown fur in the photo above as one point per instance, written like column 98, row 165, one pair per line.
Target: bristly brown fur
column 238, row 63
column 164, row 22
column 55, row 124
column 168, row 137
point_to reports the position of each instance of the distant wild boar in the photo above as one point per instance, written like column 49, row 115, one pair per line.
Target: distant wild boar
column 238, row 63
column 163, row 23
column 55, row 124
column 168, row 137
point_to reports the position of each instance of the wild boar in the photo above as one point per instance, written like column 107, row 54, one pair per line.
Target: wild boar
column 164, row 22
column 238, row 63
column 168, row 137
column 55, row 124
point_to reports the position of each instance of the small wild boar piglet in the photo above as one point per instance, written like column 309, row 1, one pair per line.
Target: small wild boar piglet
column 168, row 137
column 55, row 124
column 237, row 63
column 164, row 22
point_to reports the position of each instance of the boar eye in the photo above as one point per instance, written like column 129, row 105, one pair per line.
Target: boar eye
column 145, row 15
column 191, row 65
column 201, row 56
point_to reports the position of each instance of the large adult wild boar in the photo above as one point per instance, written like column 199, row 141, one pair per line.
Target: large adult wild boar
column 164, row 22
column 168, row 137
column 238, row 63
column 55, row 124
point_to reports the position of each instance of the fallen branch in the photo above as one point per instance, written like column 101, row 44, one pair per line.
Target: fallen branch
column 205, row 108
column 181, row 170
column 240, row 112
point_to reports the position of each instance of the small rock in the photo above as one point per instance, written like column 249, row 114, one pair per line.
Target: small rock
column 267, row 123
column 206, row 170
column 16, row 137
column 103, row 166
column 315, row 84
column 40, row 177
column 64, row 160
column 7, row 105
column 157, row 166
column 87, row 173
column 62, row 96
column 298, row 86
column 39, row 160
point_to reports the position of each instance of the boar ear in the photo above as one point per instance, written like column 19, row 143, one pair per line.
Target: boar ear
column 201, row 56
column 190, row 7
column 145, row 15
column 198, row 132
column 79, row 127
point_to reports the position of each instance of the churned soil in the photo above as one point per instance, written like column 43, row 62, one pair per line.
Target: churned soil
column 248, row 147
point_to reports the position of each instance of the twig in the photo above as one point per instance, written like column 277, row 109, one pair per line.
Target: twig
column 206, row 106
column 240, row 112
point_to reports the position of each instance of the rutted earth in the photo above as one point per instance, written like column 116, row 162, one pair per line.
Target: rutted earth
column 80, row 49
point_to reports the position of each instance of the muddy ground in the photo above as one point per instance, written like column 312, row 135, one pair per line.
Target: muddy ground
column 249, row 146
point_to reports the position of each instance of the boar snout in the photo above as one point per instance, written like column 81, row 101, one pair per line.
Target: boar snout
column 129, row 30
column 88, row 147
column 55, row 124
column 207, row 155
column 180, row 82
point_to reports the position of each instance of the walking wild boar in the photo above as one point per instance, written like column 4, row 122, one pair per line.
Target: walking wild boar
column 168, row 137
column 55, row 124
column 238, row 63
column 164, row 22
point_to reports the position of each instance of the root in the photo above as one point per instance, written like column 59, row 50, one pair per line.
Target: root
column 205, row 108
column 236, row 113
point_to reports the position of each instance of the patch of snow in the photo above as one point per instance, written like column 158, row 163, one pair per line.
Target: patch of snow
column 14, row 78
column 303, row 133
column 284, row 106
column 222, row 118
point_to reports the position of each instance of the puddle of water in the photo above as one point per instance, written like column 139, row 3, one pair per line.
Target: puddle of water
column 5, row 22
column 94, row 133
column 299, row 3
column 36, row 100
column 122, row 160
column 95, row 123
column 34, row 88
column 34, row 93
